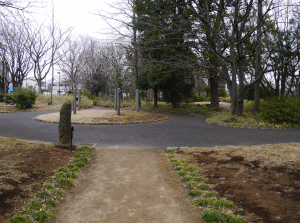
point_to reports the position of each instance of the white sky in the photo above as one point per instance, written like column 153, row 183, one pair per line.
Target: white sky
column 78, row 14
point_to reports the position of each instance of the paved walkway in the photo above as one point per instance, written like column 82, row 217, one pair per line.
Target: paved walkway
column 177, row 131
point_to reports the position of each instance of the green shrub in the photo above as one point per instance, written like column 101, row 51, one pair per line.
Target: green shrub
column 169, row 151
column 18, row 219
column 200, row 98
column 2, row 97
column 24, row 97
column 8, row 99
column 281, row 110
column 222, row 92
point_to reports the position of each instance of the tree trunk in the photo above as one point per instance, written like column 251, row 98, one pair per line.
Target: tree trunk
column 258, row 58
column 155, row 97
column 214, row 92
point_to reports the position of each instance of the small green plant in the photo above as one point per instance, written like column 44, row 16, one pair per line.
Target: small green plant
column 174, row 160
column 212, row 194
column 186, row 179
column 231, row 218
column 176, row 164
column 24, row 97
column 40, row 216
column 60, row 175
column 34, row 205
column 191, row 168
column 43, row 194
column 194, row 174
column 223, row 203
column 48, row 186
column 63, row 170
column 50, row 203
column 182, row 173
column 178, row 168
column 71, row 175
column 171, row 156
column 65, row 183
column 212, row 216
column 57, row 193
column 182, row 161
column 201, row 202
column 204, row 186
column 194, row 193
column 198, row 179
column 169, row 151
column 192, row 184
column 18, row 219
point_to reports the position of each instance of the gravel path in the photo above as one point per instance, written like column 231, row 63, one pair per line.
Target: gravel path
column 128, row 185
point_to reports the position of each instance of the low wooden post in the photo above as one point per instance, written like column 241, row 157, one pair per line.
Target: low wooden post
column 74, row 101
column 137, row 97
column 118, row 101
column 79, row 100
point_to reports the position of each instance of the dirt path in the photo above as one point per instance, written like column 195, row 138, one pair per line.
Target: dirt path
column 128, row 185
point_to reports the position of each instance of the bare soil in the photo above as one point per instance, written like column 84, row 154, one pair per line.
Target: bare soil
column 128, row 185
column 24, row 167
column 263, row 181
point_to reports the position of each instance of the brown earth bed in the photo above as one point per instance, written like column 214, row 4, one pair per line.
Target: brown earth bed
column 263, row 181
column 24, row 167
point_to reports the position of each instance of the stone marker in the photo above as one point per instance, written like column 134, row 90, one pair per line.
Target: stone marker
column 64, row 127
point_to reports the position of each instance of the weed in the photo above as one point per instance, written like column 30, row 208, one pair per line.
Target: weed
column 191, row 184
column 178, row 168
column 169, row 151
column 171, row 156
column 223, row 203
column 194, row 174
column 212, row 194
column 212, row 216
column 57, row 193
column 50, row 203
column 18, row 219
column 198, row 179
column 201, row 202
column 182, row 161
column 191, row 168
column 186, row 179
column 231, row 218
column 48, row 186
column 195, row 193
column 176, row 164
column 71, row 175
column 63, row 170
column 33, row 206
column 43, row 194
column 182, row 173
column 204, row 186
column 174, row 160
column 40, row 216
column 65, row 183
column 60, row 175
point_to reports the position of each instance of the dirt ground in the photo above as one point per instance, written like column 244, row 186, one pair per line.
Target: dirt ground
column 128, row 185
column 108, row 117
column 263, row 181
column 24, row 166
column 38, row 106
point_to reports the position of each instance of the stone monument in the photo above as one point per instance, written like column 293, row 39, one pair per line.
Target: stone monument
column 64, row 127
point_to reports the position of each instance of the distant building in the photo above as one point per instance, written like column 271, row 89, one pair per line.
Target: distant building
column 59, row 88
column 32, row 82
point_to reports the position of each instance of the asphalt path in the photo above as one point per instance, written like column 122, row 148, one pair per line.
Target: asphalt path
column 176, row 132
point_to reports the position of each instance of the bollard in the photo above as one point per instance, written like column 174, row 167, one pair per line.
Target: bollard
column 74, row 101
column 118, row 101
column 72, row 130
column 137, row 99
column 79, row 100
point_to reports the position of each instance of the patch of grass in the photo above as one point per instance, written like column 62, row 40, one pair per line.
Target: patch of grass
column 174, row 160
column 204, row 186
column 212, row 216
column 43, row 194
column 182, row 161
column 198, row 179
column 40, row 216
column 65, row 183
column 57, row 193
column 176, row 164
column 186, row 179
column 194, row 174
column 212, row 194
column 182, row 173
column 223, row 203
column 19, row 219
column 202, row 202
column 191, row 168
column 178, row 168
column 192, row 184
column 231, row 218
column 50, row 203
column 171, row 156
column 169, row 151
column 48, row 186
column 34, row 205
column 194, row 193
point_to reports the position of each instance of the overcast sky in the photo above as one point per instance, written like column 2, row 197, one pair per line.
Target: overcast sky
column 78, row 14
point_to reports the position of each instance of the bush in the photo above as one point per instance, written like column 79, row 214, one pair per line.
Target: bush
column 8, row 99
column 2, row 97
column 200, row 98
column 281, row 110
column 222, row 92
column 24, row 97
